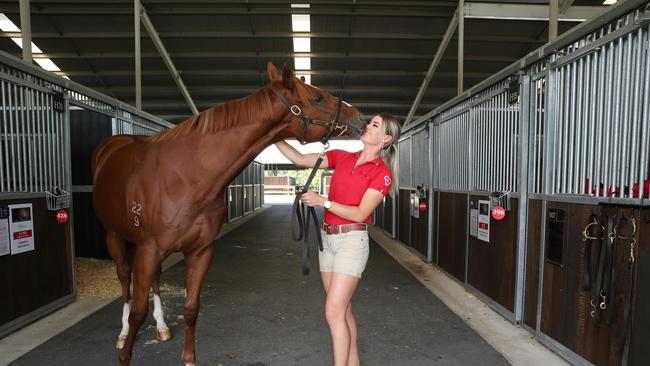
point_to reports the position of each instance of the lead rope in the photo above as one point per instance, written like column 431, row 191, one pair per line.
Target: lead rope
column 302, row 220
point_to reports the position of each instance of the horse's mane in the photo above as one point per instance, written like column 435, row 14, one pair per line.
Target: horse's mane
column 222, row 117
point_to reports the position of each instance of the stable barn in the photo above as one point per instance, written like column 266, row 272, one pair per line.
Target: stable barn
column 523, row 177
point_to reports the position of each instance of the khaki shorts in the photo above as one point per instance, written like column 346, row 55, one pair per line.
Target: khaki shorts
column 345, row 253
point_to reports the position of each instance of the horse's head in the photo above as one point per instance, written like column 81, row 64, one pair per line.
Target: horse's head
column 314, row 112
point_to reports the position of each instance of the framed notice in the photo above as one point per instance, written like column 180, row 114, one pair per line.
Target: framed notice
column 484, row 221
column 473, row 222
column 5, row 247
column 21, row 228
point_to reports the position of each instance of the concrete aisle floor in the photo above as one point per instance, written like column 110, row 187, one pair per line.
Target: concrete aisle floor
column 258, row 309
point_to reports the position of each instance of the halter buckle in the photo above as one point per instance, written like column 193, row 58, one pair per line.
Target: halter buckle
column 295, row 110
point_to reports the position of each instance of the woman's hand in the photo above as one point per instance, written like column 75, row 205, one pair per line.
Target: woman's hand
column 310, row 198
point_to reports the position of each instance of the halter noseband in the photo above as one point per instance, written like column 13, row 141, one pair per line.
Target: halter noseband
column 333, row 125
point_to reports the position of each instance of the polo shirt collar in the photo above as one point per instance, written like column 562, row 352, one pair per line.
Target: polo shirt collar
column 376, row 162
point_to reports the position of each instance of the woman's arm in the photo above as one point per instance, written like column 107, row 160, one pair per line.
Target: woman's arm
column 369, row 202
column 300, row 160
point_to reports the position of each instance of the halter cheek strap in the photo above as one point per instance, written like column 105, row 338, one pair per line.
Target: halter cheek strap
column 333, row 125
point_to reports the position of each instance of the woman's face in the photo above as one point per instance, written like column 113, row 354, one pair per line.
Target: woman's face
column 373, row 135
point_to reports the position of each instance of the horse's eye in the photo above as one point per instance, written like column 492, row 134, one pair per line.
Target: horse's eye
column 318, row 98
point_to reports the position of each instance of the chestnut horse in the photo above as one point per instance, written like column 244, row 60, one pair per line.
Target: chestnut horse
column 165, row 193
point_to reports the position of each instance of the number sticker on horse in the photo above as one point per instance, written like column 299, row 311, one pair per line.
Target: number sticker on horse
column 136, row 208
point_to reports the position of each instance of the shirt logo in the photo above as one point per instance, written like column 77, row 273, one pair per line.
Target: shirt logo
column 387, row 180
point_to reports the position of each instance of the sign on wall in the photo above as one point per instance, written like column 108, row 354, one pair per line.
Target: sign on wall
column 5, row 247
column 484, row 220
column 21, row 228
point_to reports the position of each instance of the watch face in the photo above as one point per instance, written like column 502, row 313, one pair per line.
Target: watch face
column 328, row 204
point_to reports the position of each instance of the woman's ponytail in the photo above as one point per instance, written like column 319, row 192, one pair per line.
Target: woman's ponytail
column 389, row 153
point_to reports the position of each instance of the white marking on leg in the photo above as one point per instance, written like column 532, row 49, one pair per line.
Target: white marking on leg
column 125, row 319
column 158, row 313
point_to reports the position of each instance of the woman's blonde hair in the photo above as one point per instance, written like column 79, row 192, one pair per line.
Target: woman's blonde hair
column 391, row 126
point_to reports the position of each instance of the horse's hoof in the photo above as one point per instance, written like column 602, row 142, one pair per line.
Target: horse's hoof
column 120, row 342
column 163, row 334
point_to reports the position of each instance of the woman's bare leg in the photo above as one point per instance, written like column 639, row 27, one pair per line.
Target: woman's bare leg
column 340, row 288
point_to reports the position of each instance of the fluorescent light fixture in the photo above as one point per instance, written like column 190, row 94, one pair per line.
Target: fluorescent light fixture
column 300, row 6
column 300, row 23
column 610, row 2
column 301, row 44
column 306, row 76
column 19, row 42
column 6, row 25
column 47, row 64
column 302, row 63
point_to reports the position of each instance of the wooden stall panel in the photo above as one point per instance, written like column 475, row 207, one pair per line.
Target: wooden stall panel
column 566, row 308
column 453, row 233
column 640, row 331
column 420, row 230
column 36, row 278
column 404, row 216
column 532, row 262
column 491, row 265
column 388, row 215
column 434, row 224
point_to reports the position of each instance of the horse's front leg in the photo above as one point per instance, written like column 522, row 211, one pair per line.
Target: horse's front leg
column 197, row 265
column 145, row 267
column 162, row 330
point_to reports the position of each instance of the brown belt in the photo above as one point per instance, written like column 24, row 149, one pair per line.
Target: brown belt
column 341, row 229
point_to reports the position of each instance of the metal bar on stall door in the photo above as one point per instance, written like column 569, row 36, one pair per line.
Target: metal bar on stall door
column 12, row 150
column 486, row 147
column 635, row 133
column 580, row 131
column 28, row 135
column 600, row 110
column 557, row 121
column 627, row 128
column 49, row 143
column 616, row 120
column 550, row 135
column 607, row 117
column 571, row 121
column 18, row 177
column 58, row 161
column 498, row 124
column 40, row 143
column 20, row 137
column 644, row 119
column 501, row 113
column 32, row 144
column 564, row 120
column 590, row 119
column 4, row 156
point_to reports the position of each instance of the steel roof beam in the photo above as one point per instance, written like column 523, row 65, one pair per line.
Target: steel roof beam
column 148, row 25
column 432, row 68
column 324, row 35
column 528, row 12
column 240, row 72
column 218, row 54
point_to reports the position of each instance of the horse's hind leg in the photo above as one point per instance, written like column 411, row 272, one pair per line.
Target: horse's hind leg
column 146, row 265
column 197, row 266
column 118, row 250
column 162, row 330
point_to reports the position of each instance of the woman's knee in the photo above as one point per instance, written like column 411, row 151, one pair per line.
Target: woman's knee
column 334, row 312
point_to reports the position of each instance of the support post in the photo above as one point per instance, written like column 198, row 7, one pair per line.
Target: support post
column 432, row 68
column 552, row 19
column 148, row 25
column 461, row 44
column 137, row 11
column 26, row 30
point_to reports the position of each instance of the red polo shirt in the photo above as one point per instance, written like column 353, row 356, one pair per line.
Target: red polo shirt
column 349, row 183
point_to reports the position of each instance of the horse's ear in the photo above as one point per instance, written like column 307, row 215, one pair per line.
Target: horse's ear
column 274, row 73
column 287, row 77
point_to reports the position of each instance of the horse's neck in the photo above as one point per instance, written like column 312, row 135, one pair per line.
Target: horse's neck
column 237, row 146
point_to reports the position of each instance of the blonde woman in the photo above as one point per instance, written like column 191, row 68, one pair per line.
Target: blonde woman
column 359, row 183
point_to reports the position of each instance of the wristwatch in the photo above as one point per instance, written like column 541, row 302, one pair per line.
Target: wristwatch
column 327, row 204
